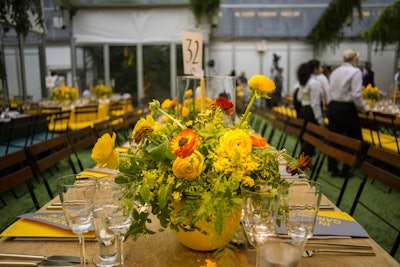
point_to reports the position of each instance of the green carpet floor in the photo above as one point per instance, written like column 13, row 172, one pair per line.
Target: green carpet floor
column 377, row 195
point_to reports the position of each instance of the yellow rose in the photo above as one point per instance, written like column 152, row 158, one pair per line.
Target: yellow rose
column 103, row 152
column 261, row 84
column 237, row 140
column 189, row 167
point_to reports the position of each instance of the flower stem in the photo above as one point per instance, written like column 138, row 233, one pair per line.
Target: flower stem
column 171, row 118
column 247, row 112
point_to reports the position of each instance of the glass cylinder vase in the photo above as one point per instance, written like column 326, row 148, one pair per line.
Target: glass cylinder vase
column 195, row 94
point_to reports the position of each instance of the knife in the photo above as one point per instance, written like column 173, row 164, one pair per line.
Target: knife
column 72, row 259
column 43, row 263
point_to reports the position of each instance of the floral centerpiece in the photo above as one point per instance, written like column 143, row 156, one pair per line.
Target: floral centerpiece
column 101, row 91
column 370, row 93
column 64, row 93
column 190, row 172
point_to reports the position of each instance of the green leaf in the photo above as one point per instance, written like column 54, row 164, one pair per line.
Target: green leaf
column 163, row 194
column 145, row 192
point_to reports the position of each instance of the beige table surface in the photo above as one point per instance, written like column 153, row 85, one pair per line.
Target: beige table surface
column 163, row 249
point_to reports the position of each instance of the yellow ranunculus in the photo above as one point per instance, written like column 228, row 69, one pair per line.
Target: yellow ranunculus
column 261, row 84
column 189, row 167
column 237, row 140
column 143, row 126
column 103, row 152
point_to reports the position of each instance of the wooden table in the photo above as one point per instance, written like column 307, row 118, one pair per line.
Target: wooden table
column 164, row 250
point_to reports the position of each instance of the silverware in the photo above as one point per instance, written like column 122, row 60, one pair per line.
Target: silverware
column 310, row 252
column 72, row 259
column 348, row 245
column 43, row 263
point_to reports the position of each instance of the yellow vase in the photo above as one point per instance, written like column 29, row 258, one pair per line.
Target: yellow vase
column 211, row 241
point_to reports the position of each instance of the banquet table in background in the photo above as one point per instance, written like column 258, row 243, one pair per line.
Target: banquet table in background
column 164, row 250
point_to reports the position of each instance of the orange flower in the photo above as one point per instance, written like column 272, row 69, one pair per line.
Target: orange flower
column 225, row 104
column 184, row 143
column 258, row 141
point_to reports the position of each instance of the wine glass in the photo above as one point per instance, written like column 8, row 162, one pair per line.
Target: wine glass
column 76, row 195
column 118, row 214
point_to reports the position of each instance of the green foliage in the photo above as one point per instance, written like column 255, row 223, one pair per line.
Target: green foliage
column 385, row 31
column 329, row 29
column 15, row 13
column 204, row 7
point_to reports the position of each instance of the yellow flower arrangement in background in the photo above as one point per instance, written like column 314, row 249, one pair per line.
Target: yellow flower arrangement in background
column 370, row 93
column 101, row 91
column 64, row 92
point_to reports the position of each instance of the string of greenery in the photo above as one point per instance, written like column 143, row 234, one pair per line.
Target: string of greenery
column 329, row 28
column 15, row 13
column 385, row 31
column 204, row 7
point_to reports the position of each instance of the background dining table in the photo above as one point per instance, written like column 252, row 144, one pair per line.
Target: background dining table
column 164, row 250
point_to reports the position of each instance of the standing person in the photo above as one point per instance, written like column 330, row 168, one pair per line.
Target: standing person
column 368, row 74
column 309, row 94
column 317, row 70
column 276, row 95
column 346, row 102
column 396, row 78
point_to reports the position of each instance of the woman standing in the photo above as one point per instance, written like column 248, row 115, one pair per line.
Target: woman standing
column 310, row 96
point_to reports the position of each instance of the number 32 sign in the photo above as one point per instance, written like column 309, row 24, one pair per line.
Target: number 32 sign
column 192, row 48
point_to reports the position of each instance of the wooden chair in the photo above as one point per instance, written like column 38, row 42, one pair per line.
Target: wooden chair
column 15, row 171
column 382, row 166
column 280, row 123
column 118, row 126
column 40, row 131
column 19, row 133
column 295, row 127
column 370, row 129
column 115, row 108
column 344, row 149
column 102, row 127
column 48, row 154
column 80, row 140
column 315, row 135
column 389, row 130
column 59, row 122
column 84, row 116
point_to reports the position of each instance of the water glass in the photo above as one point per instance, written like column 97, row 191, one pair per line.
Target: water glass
column 108, row 249
column 260, row 203
column 76, row 195
column 118, row 212
column 303, row 200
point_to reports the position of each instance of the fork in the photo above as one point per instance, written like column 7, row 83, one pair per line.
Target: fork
column 310, row 252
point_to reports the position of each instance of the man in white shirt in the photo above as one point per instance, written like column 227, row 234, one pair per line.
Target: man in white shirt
column 346, row 102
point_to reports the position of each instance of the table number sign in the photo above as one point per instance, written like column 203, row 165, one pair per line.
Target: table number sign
column 192, row 48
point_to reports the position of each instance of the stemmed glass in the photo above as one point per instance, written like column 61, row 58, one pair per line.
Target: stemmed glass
column 118, row 215
column 76, row 195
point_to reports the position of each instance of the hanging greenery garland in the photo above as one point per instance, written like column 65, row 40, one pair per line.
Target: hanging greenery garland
column 204, row 7
column 329, row 28
column 15, row 13
column 385, row 31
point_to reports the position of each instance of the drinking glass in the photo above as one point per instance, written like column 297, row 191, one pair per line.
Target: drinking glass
column 280, row 250
column 118, row 214
column 260, row 204
column 302, row 203
column 108, row 250
column 76, row 195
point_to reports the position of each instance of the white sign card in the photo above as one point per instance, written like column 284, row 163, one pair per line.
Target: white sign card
column 192, row 48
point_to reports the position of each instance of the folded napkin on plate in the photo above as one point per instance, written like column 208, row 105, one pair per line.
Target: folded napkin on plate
column 99, row 172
